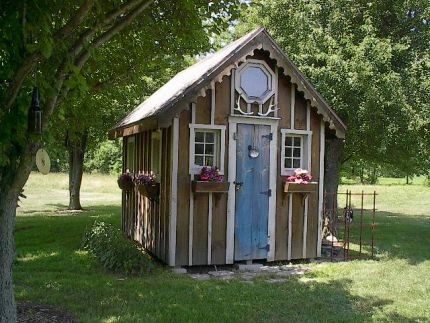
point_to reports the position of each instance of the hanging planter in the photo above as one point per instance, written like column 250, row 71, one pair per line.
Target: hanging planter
column 210, row 181
column 147, row 186
column 125, row 182
column 300, row 182
column 210, row 187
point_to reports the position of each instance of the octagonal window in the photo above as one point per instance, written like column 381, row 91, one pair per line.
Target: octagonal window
column 255, row 82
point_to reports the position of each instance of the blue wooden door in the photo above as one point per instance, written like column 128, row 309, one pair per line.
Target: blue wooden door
column 252, row 191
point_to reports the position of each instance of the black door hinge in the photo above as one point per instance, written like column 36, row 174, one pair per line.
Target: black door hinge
column 269, row 136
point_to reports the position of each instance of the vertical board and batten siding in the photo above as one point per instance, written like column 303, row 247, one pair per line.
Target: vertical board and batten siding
column 284, row 103
column 143, row 220
column 195, row 235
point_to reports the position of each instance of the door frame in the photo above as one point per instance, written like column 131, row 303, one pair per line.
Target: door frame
column 231, row 204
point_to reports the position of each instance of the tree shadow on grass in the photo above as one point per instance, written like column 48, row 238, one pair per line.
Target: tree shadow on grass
column 403, row 236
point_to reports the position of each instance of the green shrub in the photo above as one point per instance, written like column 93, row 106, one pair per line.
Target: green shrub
column 114, row 251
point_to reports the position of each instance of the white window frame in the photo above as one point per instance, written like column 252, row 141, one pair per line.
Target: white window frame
column 306, row 145
column 266, row 70
column 219, row 146
column 156, row 135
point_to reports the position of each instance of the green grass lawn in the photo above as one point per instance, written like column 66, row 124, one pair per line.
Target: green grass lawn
column 50, row 268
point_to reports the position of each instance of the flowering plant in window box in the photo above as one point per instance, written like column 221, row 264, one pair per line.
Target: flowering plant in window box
column 125, row 181
column 148, row 186
column 210, row 180
column 301, row 176
column 300, row 182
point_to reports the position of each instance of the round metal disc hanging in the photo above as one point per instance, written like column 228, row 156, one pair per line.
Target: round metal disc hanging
column 43, row 162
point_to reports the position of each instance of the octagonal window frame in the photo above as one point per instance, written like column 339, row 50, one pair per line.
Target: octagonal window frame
column 266, row 70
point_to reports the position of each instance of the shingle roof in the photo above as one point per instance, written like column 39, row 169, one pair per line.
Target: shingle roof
column 190, row 81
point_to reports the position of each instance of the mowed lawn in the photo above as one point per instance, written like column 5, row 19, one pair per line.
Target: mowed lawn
column 50, row 268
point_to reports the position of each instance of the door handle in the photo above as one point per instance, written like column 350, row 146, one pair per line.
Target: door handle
column 238, row 185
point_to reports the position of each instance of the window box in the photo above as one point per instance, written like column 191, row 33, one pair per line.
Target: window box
column 291, row 187
column 152, row 192
column 210, row 187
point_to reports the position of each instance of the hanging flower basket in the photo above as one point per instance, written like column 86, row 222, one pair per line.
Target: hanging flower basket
column 147, row 186
column 125, row 182
column 151, row 191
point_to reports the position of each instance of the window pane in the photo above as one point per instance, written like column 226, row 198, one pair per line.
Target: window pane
column 296, row 163
column 296, row 152
column 210, row 137
column 297, row 141
column 209, row 161
column 199, row 160
column 199, row 148
column 254, row 81
column 209, row 149
column 288, row 141
column 200, row 136
column 288, row 163
column 288, row 152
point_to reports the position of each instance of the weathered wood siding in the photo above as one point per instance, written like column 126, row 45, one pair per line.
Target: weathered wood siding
column 143, row 220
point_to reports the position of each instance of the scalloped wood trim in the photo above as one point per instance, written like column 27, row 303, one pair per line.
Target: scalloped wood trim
column 287, row 71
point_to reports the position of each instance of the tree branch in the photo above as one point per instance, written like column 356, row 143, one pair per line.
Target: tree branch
column 109, row 19
column 115, row 29
column 75, row 21
column 31, row 61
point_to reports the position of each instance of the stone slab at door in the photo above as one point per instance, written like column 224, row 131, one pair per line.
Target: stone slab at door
column 252, row 191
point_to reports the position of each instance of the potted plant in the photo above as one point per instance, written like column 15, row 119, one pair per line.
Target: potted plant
column 210, row 181
column 300, row 182
column 147, row 186
column 125, row 181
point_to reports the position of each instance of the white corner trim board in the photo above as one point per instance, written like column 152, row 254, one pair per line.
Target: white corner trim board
column 231, row 201
column 321, row 188
column 174, row 191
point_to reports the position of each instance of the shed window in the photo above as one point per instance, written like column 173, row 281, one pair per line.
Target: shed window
column 207, row 147
column 296, row 150
column 293, row 152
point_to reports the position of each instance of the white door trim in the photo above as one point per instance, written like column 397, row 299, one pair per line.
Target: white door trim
column 231, row 205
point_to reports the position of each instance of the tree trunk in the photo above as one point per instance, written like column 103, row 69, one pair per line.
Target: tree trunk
column 333, row 155
column 12, row 180
column 7, row 253
column 76, row 150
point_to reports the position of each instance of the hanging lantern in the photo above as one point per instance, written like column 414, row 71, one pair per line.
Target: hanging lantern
column 35, row 114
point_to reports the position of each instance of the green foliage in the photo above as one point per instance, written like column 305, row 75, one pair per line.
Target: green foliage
column 106, row 158
column 370, row 61
column 114, row 251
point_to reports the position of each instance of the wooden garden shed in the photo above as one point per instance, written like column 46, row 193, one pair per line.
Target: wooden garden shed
column 249, row 111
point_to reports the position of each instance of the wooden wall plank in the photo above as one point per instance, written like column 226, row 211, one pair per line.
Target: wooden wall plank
column 284, row 104
column 297, row 226
column 203, row 109
column 182, row 226
column 219, row 227
column 222, row 101
column 300, row 112
column 312, row 236
column 200, row 231
column 284, row 101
